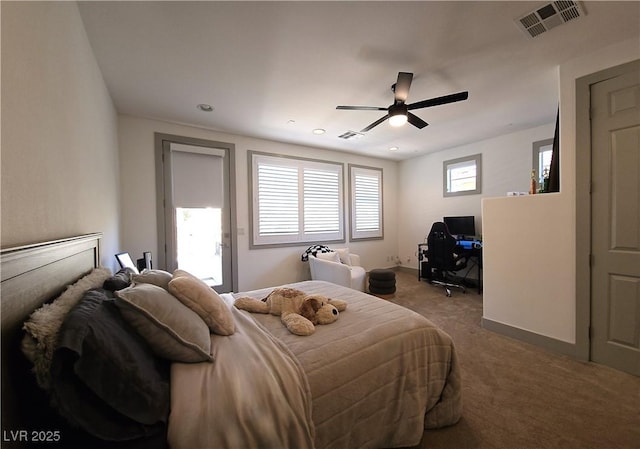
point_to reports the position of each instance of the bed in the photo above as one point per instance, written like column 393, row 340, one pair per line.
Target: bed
column 376, row 378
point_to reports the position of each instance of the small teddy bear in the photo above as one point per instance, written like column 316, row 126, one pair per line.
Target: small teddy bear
column 298, row 311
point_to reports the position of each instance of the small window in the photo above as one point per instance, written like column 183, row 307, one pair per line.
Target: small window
column 462, row 176
column 542, row 151
column 295, row 200
column 366, row 202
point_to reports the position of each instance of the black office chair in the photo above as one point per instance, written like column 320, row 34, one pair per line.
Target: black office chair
column 445, row 257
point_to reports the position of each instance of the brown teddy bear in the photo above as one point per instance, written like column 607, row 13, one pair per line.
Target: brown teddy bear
column 298, row 311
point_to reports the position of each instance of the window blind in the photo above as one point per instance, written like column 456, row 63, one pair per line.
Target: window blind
column 197, row 177
column 321, row 201
column 295, row 200
column 277, row 200
column 366, row 203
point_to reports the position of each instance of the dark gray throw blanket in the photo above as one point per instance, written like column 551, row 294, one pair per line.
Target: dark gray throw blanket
column 105, row 378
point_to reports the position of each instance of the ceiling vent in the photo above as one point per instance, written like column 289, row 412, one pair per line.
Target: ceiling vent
column 351, row 135
column 549, row 16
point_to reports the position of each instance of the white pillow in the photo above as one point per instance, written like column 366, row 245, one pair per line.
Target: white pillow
column 330, row 256
column 203, row 300
column 343, row 253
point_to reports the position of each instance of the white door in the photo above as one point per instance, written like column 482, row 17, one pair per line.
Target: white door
column 615, row 209
column 197, row 213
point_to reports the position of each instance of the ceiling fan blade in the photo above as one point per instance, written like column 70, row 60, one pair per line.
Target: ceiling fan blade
column 362, row 108
column 374, row 124
column 416, row 121
column 402, row 86
column 460, row 96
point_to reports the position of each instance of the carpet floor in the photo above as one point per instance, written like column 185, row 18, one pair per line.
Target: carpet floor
column 520, row 396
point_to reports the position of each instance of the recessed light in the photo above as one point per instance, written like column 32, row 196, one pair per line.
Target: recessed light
column 291, row 122
column 205, row 107
column 319, row 131
column 393, row 149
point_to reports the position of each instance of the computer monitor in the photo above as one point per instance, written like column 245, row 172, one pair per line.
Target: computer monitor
column 461, row 226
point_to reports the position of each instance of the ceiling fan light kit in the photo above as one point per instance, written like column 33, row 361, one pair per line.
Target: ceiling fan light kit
column 398, row 113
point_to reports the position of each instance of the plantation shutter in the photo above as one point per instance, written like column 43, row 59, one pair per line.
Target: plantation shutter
column 366, row 203
column 321, row 202
column 277, row 200
column 296, row 200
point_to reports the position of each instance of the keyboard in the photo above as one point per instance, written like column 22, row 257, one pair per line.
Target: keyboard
column 470, row 244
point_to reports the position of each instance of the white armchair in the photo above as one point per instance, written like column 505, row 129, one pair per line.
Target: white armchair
column 328, row 267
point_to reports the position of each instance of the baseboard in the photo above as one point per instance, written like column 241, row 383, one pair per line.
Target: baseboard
column 409, row 270
column 542, row 341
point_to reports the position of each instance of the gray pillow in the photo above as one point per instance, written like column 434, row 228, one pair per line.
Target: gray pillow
column 105, row 378
column 42, row 327
column 120, row 280
column 173, row 331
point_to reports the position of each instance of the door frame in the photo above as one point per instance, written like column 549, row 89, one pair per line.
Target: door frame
column 583, row 202
column 159, row 142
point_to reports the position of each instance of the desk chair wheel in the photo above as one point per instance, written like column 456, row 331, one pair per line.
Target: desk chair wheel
column 448, row 290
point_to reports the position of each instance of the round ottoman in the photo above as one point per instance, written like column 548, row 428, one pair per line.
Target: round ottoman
column 382, row 281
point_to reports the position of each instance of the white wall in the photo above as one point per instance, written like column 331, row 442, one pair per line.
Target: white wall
column 535, row 289
column 59, row 130
column 528, row 264
column 256, row 268
column 506, row 166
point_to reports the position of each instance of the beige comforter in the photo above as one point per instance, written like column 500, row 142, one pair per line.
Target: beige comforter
column 254, row 395
column 378, row 377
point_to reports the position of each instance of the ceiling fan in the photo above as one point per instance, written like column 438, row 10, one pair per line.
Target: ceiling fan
column 398, row 113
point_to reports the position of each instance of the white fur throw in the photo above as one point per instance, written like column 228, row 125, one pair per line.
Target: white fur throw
column 43, row 325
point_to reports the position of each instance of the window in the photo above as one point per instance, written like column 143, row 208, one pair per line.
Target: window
column 366, row 202
column 462, row 176
column 295, row 200
column 542, row 151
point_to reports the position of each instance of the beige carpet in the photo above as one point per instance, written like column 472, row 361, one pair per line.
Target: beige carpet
column 520, row 396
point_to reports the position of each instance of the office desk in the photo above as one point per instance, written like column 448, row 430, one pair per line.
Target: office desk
column 470, row 248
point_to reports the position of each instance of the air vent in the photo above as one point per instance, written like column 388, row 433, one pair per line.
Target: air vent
column 549, row 16
column 351, row 135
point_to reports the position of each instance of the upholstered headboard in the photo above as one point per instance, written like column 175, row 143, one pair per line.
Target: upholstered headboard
column 30, row 276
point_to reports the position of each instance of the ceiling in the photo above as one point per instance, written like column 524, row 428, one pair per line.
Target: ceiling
column 277, row 70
